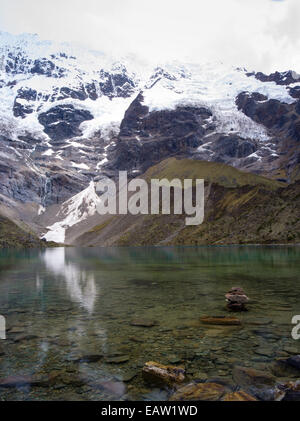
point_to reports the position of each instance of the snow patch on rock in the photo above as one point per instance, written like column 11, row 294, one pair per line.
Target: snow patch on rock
column 73, row 211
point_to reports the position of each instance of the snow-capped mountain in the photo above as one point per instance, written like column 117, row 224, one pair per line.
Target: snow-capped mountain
column 38, row 76
column 69, row 116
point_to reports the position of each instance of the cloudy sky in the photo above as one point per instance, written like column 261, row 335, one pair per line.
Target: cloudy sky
column 258, row 34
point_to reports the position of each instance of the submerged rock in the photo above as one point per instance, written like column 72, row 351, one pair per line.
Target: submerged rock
column 266, row 352
column 158, row 373
column 143, row 323
column 173, row 359
column 294, row 361
column 200, row 377
column 16, row 329
column 221, row 320
column 291, row 350
column 57, row 377
column 238, row 396
column 236, row 299
column 290, row 391
column 118, row 359
column 246, row 376
column 18, row 381
column 280, row 368
column 89, row 358
column 115, row 388
column 20, row 338
column 128, row 376
column 199, row 392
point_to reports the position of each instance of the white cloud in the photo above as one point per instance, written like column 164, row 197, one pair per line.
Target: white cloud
column 258, row 34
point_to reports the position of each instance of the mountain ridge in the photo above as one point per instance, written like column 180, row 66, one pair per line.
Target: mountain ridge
column 69, row 117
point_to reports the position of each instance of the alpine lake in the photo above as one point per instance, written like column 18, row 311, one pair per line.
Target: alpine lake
column 82, row 322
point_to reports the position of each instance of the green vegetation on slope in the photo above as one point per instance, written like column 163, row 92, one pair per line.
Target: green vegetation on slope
column 240, row 208
column 11, row 235
column 211, row 172
column 245, row 215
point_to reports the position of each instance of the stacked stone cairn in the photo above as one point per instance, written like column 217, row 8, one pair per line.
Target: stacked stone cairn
column 236, row 299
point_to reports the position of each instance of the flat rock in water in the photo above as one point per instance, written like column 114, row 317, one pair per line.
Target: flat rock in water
column 220, row 320
column 158, row 373
column 259, row 321
column 246, row 376
column 136, row 339
column 70, row 379
column 17, row 330
column 17, row 381
column 89, row 358
column 199, row 392
column 119, row 359
column 291, row 350
column 173, row 359
column 20, row 338
column 143, row 323
column 264, row 352
column 127, row 377
column 238, row 396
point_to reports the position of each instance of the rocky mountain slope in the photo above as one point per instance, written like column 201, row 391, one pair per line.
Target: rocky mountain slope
column 240, row 208
column 69, row 117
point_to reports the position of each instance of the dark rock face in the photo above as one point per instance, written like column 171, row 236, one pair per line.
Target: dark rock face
column 147, row 137
column 111, row 85
column 72, row 93
column 116, row 84
column 16, row 63
column 19, row 63
column 132, row 155
column 43, row 67
column 270, row 113
column 280, row 78
column 282, row 118
column 295, row 92
column 20, row 109
column 132, row 122
column 91, row 91
column 283, row 122
column 295, row 130
column 176, row 123
column 159, row 73
column 62, row 122
column 234, row 147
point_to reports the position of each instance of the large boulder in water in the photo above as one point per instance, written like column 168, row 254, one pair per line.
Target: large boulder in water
column 246, row 376
column 154, row 372
column 238, row 396
column 199, row 392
